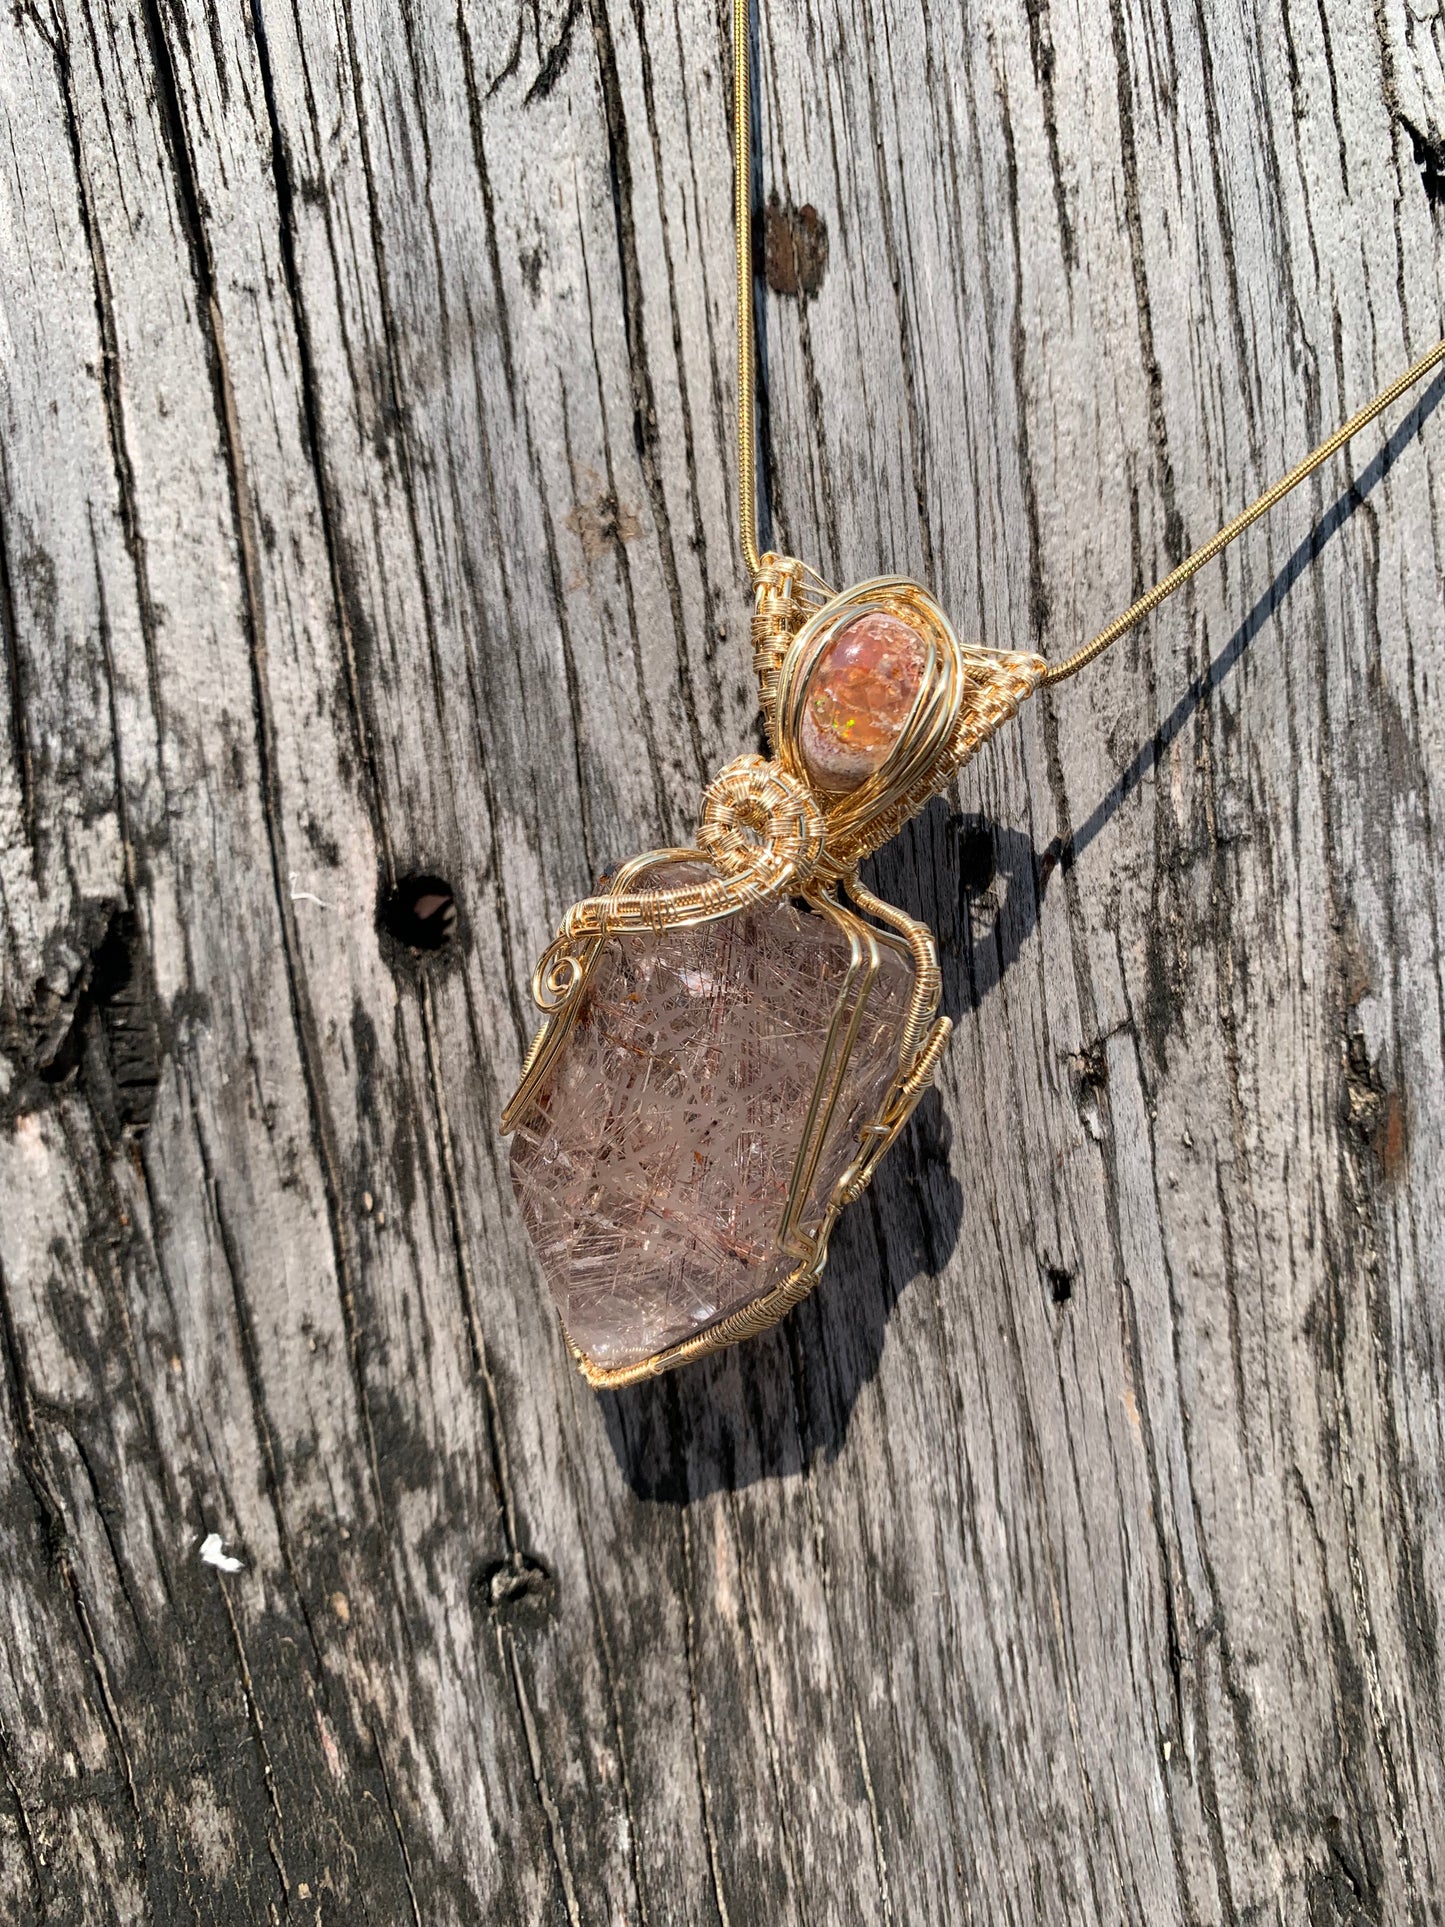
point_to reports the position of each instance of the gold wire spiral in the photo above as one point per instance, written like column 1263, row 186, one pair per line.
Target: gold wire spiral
column 762, row 828
column 762, row 834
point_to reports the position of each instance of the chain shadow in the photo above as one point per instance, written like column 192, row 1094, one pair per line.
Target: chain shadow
column 768, row 1409
column 1203, row 686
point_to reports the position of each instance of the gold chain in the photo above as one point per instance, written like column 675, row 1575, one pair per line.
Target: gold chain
column 743, row 220
column 1218, row 543
column 747, row 399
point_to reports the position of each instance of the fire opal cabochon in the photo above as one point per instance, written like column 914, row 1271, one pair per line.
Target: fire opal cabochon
column 859, row 698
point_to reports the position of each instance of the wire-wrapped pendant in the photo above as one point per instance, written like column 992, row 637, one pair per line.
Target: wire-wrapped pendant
column 735, row 1034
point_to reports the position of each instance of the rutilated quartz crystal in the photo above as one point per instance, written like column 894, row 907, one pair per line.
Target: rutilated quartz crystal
column 653, row 1168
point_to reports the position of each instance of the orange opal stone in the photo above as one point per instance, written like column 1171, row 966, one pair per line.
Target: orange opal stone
column 860, row 698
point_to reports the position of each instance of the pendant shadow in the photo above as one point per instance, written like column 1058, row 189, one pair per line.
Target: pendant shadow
column 765, row 1409
column 769, row 1408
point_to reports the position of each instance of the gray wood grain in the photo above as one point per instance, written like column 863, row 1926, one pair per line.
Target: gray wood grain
column 365, row 509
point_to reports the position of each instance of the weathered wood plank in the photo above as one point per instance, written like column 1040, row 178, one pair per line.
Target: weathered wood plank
column 365, row 509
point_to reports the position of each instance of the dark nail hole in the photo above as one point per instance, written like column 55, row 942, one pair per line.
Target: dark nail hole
column 518, row 1588
column 1061, row 1284
column 420, row 912
column 1091, row 1067
column 112, row 1042
column 794, row 248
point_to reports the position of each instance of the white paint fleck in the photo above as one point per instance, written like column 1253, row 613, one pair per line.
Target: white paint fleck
column 329, row 1748
column 214, row 1553
column 305, row 896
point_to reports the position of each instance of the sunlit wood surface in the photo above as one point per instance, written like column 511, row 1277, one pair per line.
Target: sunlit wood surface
column 1075, row 1557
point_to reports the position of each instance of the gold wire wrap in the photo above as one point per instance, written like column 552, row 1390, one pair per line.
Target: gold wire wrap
column 766, row 832
column 966, row 694
column 786, row 593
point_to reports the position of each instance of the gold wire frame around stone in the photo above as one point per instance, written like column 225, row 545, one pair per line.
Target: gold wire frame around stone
column 766, row 834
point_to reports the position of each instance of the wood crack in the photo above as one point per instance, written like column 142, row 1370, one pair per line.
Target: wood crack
column 313, row 445
column 507, row 1651
column 880, row 1856
column 496, row 1434
column 20, row 750
column 595, row 1591
column 699, row 1753
column 127, row 494
column 624, row 572
column 644, row 405
column 32, row 1465
column 418, row 1918
column 1041, row 53
column 698, row 535
column 255, row 1386
column 1174, row 540
column 907, row 357
column 275, row 1839
column 323, row 1135
column 30, row 1846
column 489, row 205
column 1038, row 592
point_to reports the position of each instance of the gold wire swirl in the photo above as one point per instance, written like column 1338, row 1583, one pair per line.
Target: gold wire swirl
column 557, row 981
column 762, row 832
column 762, row 828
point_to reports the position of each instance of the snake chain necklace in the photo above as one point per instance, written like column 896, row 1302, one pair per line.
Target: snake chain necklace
column 735, row 1033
